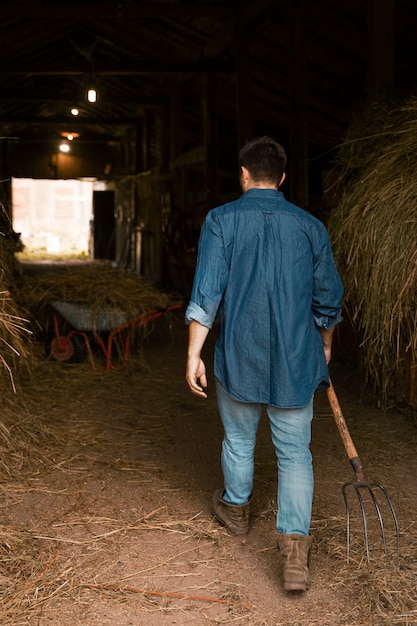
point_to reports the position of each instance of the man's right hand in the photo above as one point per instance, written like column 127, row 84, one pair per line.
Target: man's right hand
column 196, row 376
column 195, row 373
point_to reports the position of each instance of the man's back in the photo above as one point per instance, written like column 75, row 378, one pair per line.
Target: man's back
column 272, row 264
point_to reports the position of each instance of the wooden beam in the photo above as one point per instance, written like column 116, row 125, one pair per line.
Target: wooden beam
column 209, row 107
column 138, row 68
column 298, row 178
column 381, row 45
column 140, row 100
column 196, row 156
column 6, row 204
column 225, row 35
column 243, row 85
column 106, row 10
column 175, row 123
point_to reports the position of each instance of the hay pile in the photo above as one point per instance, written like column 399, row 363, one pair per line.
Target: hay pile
column 373, row 227
column 13, row 343
column 14, row 329
column 96, row 286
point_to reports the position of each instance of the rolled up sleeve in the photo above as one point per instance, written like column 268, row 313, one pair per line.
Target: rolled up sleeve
column 196, row 313
column 210, row 276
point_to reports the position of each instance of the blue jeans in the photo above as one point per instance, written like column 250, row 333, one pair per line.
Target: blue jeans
column 291, row 435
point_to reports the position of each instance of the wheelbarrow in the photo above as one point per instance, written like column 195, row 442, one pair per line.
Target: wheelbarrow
column 82, row 323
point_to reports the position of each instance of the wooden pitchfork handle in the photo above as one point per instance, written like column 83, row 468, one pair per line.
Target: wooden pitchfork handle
column 351, row 451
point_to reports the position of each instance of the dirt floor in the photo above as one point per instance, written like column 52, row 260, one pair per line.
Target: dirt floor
column 106, row 506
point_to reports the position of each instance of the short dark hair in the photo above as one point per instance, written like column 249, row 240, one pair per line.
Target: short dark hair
column 264, row 158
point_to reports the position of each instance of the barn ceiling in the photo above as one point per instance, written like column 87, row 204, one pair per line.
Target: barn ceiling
column 143, row 54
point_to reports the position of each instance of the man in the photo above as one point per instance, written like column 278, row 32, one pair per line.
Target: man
column 266, row 266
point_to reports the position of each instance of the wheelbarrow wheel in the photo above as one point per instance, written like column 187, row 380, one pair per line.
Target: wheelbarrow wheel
column 70, row 350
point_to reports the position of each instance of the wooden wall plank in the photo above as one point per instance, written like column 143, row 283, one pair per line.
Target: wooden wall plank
column 381, row 27
column 298, row 178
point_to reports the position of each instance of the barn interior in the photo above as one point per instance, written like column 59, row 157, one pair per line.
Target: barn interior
column 134, row 111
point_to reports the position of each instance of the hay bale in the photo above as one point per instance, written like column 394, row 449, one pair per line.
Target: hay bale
column 373, row 227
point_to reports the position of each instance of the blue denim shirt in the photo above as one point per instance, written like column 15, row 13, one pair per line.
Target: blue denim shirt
column 267, row 268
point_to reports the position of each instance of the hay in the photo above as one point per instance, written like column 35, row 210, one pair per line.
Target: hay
column 14, row 328
column 384, row 591
column 94, row 299
column 97, row 286
column 38, row 570
column 13, row 333
column 373, row 228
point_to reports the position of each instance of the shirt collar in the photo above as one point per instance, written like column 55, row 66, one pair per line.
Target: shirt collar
column 256, row 191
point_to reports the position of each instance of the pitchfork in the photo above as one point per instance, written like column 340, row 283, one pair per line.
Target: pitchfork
column 361, row 484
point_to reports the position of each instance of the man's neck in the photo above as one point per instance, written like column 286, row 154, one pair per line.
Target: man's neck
column 260, row 185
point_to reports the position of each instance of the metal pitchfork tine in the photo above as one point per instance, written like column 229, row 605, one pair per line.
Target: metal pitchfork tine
column 361, row 482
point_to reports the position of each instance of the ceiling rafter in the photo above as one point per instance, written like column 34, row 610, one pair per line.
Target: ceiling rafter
column 118, row 10
column 138, row 68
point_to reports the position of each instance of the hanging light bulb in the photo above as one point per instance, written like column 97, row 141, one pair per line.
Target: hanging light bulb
column 92, row 94
column 64, row 146
column 92, row 86
column 69, row 136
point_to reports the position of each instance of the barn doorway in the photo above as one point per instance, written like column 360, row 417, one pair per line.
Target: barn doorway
column 58, row 218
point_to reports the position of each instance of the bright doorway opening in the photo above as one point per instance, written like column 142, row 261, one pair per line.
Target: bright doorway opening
column 54, row 217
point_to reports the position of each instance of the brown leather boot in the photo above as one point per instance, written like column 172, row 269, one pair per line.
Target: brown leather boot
column 296, row 551
column 234, row 516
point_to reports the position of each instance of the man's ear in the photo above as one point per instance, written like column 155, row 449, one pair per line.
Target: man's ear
column 244, row 173
column 244, row 178
column 282, row 179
